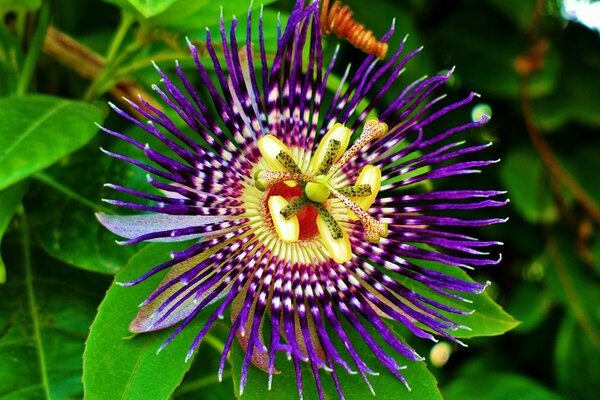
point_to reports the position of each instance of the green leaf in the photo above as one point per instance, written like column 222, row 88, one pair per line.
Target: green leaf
column 37, row 131
column 10, row 198
column 61, row 206
column 488, row 318
column 119, row 365
column 19, row 5
column 485, row 60
column 572, row 283
column 422, row 383
column 574, row 99
column 595, row 251
column 519, row 11
column 45, row 311
column 573, row 351
column 11, row 58
column 524, row 176
column 529, row 304
column 583, row 164
column 194, row 16
column 497, row 386
column 150, row 8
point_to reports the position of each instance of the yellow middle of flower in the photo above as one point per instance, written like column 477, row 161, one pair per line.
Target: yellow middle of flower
column 314, row 188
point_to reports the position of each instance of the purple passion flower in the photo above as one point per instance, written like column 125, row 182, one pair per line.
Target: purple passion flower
column 302, row 214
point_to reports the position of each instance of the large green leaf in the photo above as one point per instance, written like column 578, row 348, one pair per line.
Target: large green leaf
column 485, row 60
column 520, row 11
column 529, row 304
column 574, row 99
column 150, row 8
column 9, row 200
column 13, row 5
column 576, row 362
column 45, row 311
column 61, row 207
column 386, row 386
column 37, row 131
column 524, row 176
column 194, row 16
column 488, row 318
column 497, row 386
column 118, row 365
column 11, row 58
column 573, row 283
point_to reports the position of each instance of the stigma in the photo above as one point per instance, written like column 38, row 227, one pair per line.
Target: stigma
column 299, row 201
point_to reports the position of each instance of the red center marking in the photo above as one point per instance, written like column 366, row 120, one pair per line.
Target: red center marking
column 307, row 217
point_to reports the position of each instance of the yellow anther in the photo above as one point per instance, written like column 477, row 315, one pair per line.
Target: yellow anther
column 338, row 249
column 338, row 132
column 287, row 229
column 270, row 147
column 370, row 175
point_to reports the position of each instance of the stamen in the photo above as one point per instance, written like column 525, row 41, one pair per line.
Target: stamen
column 271, row 149
column 292, row 209
column 371, row 176
column 374, row 230
column 330, row 222
column 355, row 191
column 338, row 244
column 288, row 229
column 288, row 162
column 337, row 132
column 372, row 130
column 330, row 156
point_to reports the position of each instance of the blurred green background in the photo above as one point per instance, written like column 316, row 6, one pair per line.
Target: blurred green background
column 538, row 74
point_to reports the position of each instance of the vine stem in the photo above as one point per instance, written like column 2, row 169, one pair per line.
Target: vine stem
column 89, row 64
column 111, row 58
column 573, row 296
column 35, row 48
column 549, row 159
column 32, row 302
column 525, row 66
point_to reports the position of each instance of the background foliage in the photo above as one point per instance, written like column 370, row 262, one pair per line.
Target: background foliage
column 61, row 60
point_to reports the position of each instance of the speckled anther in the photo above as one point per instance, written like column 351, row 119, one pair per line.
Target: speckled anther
column 372, row 130
column 294, row 207
column 337, row 133
column 288, row 229
column 330, row 222
column 331, row 155
column 355, row 191
column 288, row 162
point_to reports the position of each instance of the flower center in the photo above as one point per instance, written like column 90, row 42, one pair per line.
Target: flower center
column 299, row 202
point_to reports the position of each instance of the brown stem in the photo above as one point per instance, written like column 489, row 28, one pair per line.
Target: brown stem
column 89, row 64
column 549, row 159
column 525, row 65
column 573, row 295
